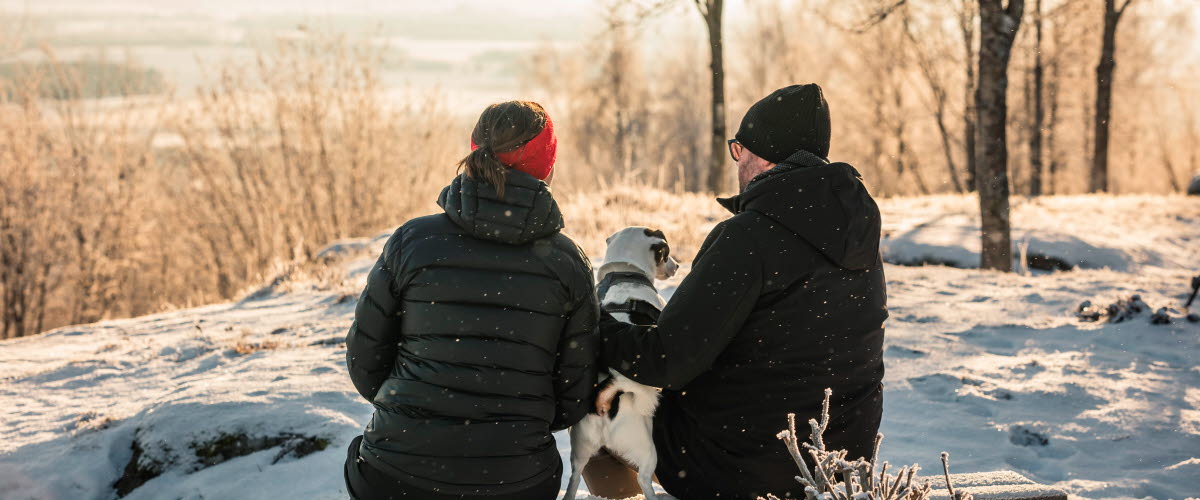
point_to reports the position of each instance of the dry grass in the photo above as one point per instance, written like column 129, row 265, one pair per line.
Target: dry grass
column 301, row 149
column 76, row 183
column 91, row 421
column 593, row 215
column 243, row 347
column 113, row 208
column 124, row 207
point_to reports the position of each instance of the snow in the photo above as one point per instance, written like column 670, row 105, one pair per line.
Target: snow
column 1120, row 233
column 986, row 486
column 994, row 368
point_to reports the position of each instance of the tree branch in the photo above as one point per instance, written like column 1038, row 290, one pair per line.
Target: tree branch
column 617, row 16
column 1124, row 6
column 880, row 15
column 1015, row 9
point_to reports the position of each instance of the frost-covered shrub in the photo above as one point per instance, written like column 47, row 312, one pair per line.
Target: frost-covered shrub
column 832, row 477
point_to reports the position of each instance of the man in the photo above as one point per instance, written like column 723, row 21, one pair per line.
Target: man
column 784, row 299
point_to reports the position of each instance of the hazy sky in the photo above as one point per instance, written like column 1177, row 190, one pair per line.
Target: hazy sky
column 443, row 42
column 234, row 8
column 555, row 12
column 241, row 7
column 440, row 41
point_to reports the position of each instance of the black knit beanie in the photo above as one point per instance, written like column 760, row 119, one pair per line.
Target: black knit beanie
column 790, row 119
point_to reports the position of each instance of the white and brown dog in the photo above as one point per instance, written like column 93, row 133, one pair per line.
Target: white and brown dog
column 635, row 257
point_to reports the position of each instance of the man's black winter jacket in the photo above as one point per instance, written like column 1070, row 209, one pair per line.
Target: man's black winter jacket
column 475, row 338
column 784, row 299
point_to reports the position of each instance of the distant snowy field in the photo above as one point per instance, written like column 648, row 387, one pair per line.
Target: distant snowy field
column 994, row 368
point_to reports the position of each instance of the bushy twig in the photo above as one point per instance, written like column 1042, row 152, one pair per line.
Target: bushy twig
column 832, row 477
column 950, row 487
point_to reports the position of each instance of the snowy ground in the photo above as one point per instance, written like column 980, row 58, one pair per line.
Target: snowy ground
column 1124, row 233
column 993, row 368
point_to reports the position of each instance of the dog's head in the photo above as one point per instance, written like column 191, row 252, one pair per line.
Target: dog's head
column 642, row 247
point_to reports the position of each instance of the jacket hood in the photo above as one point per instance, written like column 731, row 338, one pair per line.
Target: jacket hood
column 526, row 213
column 825, row 204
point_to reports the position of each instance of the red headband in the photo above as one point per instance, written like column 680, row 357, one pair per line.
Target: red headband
column 536, row 157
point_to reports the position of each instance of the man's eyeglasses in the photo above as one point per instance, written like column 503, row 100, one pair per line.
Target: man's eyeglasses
column 735, row 149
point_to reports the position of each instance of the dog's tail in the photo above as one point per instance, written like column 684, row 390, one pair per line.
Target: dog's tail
column 635, row 398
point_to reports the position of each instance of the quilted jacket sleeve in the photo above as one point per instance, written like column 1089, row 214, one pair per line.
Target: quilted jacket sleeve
column 578, row 350
column 374, row 338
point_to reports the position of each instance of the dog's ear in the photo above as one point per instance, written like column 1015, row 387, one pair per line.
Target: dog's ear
column 655, row 233
column 661, row 250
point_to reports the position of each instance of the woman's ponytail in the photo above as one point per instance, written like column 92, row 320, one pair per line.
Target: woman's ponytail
column 482, row 163
column 501, row 128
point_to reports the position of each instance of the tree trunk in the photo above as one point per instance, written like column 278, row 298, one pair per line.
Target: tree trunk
column 998, row 27
column 712, row 11
column 1098, row 181
column 40, row 306
column 946, row 147
column 1193, row 136
column 1051, row 126
column 875, row 93
column 1018, row 172
column 902, row 151
column 1039, row 113
column 967, row 24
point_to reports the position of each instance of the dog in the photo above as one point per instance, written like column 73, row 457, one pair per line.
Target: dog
column 635, row 257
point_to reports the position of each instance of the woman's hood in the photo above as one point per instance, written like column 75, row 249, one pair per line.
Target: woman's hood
column 526, row 213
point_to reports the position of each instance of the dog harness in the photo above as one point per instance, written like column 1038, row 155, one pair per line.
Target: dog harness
column 640, row 312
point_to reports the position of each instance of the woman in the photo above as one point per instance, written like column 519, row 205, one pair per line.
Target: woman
column 475, row 336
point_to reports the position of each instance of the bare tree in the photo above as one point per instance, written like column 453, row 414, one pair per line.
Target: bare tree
column 884, row 49
column 614, row 98
column 680, row 120
column 966, row 23
column 1039, row 112
column 776, row 59
column 877, row 90
column 712, row 12
column 1052, row 152
column 1055, row 60
column 892, row 79
column 1193, row 134
column 941, row 97
column 998, row 25
column 1098, row 181
column 1167, row 132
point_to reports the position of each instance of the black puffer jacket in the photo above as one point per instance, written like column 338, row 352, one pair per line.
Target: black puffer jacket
column 475, row 339
column 784, row 299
